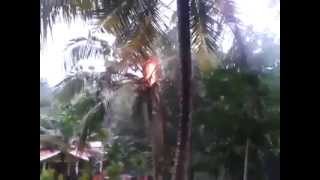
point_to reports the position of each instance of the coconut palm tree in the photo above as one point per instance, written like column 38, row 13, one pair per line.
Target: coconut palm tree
column 183, row 151
column 204, row 25
column 80, row 111
column 83, row 91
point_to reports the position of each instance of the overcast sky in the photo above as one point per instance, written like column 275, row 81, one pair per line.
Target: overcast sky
column 258, row 13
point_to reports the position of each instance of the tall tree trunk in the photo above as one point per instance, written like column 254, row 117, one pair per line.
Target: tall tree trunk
column 245, row 169
column 183, row 151
column 156, row 130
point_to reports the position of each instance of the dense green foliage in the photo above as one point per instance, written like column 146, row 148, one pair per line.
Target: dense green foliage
column 47, row 174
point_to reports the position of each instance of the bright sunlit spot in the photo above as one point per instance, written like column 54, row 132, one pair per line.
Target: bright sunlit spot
column 263, row 15
column 52, row 54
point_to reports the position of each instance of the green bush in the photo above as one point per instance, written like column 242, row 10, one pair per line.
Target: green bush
column 85, row 173
column 85, row 176
column 114, row 170
column 47, row 174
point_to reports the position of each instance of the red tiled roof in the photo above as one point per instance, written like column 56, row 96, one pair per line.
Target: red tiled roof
column 95, row 147
column 81, row 155
column 46, row 154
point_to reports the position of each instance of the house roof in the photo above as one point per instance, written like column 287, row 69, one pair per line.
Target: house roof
column 46, row 154
column 81, row 155
column 96, row 149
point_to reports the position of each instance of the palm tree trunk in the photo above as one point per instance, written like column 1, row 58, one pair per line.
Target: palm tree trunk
column 245, row 170
column 183, row 151
column 156, row 130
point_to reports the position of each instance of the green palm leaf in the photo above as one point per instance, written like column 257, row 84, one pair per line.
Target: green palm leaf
column 67, row 89
column 208, row 20
column 91, row 122
column 135, row 24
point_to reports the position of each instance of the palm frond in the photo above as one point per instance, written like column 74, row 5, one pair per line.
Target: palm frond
column 85, row 48
column 238, row 54
column 91, row 122
column 134, row 23
column 82, row 88
column 208, row 18
column 228, row 10
column 47, row 122
column 82, row 104
column 51, row 10
column 67, row 89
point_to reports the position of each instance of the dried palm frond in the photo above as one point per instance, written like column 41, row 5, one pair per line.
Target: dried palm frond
column 85, row 48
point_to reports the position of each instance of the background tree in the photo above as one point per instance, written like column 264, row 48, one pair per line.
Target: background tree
column 240, row 107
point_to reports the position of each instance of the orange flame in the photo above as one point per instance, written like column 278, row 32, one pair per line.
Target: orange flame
column 150, row 69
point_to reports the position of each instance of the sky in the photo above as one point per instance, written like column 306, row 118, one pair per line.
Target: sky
column 258, row 13
column 261, row 14
column 52, row 54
